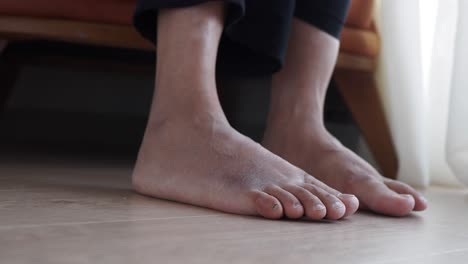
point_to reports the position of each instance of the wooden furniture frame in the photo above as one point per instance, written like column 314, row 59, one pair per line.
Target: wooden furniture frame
column 354, row 74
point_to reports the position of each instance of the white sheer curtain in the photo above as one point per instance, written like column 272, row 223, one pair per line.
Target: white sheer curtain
column 423, row 75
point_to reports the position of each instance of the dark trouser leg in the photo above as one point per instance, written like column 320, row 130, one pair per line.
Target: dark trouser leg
column 327, row 15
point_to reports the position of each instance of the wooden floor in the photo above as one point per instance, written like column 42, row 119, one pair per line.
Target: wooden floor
column 84, row 212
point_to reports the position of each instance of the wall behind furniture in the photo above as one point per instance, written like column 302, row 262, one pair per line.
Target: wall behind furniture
column 100, row 104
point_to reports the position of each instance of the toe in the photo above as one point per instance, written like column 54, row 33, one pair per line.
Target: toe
column 335, row 207
column 268, row 206
column 403, row 188
column 350, row 201
column 379, row 198
column 292, row 207
column 313, row 207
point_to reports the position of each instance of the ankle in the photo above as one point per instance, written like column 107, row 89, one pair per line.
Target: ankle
column 295, row 107
column 289, row 132
column 194, row 114
column 295, row 119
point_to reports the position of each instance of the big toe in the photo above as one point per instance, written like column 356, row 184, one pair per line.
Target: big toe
column 380, row 199
column 403, row 188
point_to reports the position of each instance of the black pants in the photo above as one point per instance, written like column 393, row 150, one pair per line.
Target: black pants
column 256, row 32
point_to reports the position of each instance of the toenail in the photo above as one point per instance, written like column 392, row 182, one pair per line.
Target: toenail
column 296, row 205
column 346, row 196
column 275, row 206
column 337, row 205
column 318, row 207
column 408, row 196
column 423, row 199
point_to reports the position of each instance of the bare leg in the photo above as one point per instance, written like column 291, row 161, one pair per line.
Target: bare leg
column 298, row 96
column 191, row 154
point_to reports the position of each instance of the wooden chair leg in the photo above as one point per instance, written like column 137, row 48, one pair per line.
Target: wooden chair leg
column 359, row 91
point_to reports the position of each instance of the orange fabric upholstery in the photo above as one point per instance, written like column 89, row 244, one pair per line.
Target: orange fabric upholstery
column 360, row 14
column 104, row 11
column 360, row 42
column 357, row 38
column 120, row 11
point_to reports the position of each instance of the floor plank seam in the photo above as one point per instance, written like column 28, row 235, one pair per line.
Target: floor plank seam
column 6, row 227
column 423, row 256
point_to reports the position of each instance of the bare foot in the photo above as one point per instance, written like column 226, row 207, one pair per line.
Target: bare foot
column 190, row 154
column 296, row 132
column 313, row 149
column 204, row 162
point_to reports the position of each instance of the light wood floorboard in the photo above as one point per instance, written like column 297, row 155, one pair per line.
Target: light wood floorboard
column 85, row 212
